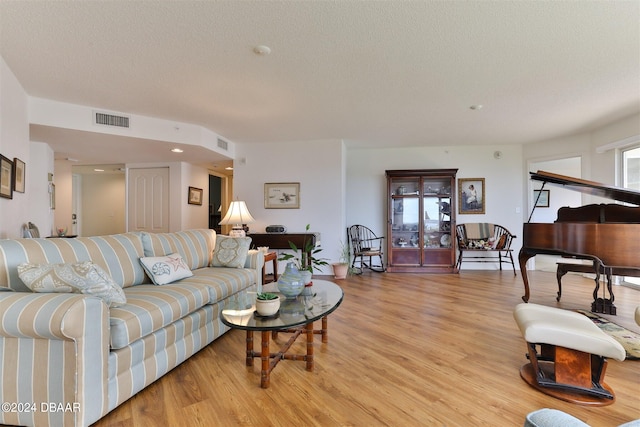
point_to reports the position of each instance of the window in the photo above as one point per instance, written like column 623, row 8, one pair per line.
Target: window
column 631, row 179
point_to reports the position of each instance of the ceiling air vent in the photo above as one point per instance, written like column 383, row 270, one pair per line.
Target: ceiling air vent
column 111, row 120
column 223, row 144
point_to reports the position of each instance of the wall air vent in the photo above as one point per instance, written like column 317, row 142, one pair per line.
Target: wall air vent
column 223, row 144
column 111, row 120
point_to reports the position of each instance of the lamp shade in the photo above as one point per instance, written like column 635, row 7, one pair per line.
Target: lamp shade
column 237, row 214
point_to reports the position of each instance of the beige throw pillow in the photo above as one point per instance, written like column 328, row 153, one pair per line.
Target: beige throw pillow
column 230, row 251
column 81, row 278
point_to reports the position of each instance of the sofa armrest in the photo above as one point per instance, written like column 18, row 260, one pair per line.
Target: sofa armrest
column 255, row 261
column 57, row 347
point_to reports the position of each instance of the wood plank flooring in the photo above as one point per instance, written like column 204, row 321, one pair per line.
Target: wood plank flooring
column 404, row 350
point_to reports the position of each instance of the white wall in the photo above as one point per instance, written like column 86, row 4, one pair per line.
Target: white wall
column 14, row 142
column 319, row 168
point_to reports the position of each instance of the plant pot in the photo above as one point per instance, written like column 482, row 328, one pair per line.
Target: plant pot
column 340, row 270
column 267, row 307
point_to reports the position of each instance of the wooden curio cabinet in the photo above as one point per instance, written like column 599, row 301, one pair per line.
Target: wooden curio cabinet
column 421, row 220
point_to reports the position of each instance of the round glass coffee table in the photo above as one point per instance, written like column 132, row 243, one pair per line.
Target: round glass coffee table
column 296, row 316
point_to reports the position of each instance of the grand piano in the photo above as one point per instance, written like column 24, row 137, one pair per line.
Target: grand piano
column 608, row 235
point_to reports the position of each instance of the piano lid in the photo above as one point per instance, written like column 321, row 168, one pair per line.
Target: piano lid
column 589, row 187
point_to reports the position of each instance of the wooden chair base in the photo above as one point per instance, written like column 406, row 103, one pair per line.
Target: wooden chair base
column 528, row 374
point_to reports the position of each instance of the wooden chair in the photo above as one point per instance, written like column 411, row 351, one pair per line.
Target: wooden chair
column 364, row 243
column 492, row 240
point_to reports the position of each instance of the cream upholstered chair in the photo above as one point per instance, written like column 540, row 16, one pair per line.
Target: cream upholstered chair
column 572, row 360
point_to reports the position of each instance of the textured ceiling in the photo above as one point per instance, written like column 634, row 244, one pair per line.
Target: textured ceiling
column 374, row 73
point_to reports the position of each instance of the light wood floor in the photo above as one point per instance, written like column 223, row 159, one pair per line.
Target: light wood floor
column 404, row 350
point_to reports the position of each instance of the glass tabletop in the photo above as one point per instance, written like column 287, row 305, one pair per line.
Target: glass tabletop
column 324, row 298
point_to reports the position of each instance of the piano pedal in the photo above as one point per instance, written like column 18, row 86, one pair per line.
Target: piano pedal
column 604, row 306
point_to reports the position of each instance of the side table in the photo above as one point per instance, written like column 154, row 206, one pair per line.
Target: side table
column 270, row 256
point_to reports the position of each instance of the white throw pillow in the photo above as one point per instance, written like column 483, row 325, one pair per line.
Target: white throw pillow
column 165, row 269
column 81, row 277
column 230, row 251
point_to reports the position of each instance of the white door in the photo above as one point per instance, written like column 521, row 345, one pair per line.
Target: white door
column 148, row 200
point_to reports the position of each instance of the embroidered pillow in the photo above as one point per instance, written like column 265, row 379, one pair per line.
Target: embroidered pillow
column 230, row 251
column 81, row 278
column 165, row 269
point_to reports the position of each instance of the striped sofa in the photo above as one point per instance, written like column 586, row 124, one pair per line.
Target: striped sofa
column 67, row 359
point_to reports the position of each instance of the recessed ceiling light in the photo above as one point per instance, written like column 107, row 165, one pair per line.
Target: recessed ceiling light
column 476, row 107
column 262, row 50
column 98, row 170
column 177, row 150
column 229, row 168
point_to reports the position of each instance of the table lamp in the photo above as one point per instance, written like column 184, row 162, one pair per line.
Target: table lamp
column 237, row 215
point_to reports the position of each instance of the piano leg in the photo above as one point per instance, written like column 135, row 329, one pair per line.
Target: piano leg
column 604, row 305
column 523, row 257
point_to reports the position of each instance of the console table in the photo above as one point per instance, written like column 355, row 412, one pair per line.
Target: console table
column 281, row 240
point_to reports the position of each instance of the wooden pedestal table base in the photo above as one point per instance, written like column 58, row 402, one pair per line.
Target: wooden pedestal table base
column 298, row 315
column 270, row 360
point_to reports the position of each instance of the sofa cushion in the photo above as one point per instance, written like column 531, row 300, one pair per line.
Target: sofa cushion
column 195, row 246
column 117, row 255
column 231, row 251
column 81, row 277
column 165, row 269
column 222, row 282
column 151, row 307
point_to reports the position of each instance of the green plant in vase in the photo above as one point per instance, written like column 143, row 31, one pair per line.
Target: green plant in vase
column 308, row 260
column 266, row 296
column 343, row 266
column 267, row 303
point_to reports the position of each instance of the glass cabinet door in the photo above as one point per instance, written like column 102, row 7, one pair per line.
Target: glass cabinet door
column 405, row 216
column 437, row 213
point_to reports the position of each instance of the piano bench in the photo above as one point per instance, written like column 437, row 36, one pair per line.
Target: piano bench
column 573, row 354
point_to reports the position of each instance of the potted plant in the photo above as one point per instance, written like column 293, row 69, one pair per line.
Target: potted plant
column 308, row 260
column 342, row 267
column 267, row 303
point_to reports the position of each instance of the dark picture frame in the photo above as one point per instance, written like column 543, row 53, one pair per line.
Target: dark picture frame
column 282, row 195
column 19, row 169
column 6, row 177
column 541, row 198
column 195, row 196
column 471, row 196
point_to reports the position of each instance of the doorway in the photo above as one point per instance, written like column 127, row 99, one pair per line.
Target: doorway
column 215, row 203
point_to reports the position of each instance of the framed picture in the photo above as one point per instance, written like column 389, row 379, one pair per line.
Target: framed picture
column 18, row 175
column 195, row 196
column 471, row 196
column 6, row 177
column 541, row 198
column 282, row 195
